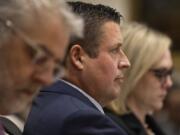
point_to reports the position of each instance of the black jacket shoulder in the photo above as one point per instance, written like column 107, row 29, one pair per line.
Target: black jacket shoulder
column 130, row 123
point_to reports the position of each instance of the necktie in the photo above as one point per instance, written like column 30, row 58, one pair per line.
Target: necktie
column 1, row 129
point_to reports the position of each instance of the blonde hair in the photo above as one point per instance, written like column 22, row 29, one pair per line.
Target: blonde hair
column 143, row 47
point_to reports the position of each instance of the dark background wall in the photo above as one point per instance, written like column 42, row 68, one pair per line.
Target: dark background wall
column 163, row 15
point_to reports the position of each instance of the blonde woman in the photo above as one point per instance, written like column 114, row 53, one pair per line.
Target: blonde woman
column 147, row 82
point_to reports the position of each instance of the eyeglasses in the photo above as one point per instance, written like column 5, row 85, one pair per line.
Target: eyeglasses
column 41, row 55
column 39, row 52
column 162, row 73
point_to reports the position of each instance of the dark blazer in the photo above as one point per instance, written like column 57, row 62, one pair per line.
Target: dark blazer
column 62, row 110
column 132, row 125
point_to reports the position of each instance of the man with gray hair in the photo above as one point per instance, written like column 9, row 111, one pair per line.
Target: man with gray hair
column 33, row 39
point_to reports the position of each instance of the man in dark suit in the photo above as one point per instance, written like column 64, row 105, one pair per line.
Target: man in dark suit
column 94, row 65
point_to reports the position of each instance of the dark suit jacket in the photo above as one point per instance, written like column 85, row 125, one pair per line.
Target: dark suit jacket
column 133, row 126
column 62, row 110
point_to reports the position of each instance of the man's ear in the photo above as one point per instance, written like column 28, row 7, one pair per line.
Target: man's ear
column 77, row 55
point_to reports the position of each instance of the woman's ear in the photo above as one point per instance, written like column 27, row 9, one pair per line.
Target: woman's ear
column 77, row 56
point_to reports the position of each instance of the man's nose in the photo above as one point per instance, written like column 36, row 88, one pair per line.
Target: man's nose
column 124, row 61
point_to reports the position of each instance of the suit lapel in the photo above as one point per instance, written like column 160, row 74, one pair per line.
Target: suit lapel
column 63, row 88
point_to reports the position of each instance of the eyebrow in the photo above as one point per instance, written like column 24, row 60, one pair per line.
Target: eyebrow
column 118, row 45
column 165, row 68
column 48, row 52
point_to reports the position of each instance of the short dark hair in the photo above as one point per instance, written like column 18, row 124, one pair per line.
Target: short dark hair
column 94, row 17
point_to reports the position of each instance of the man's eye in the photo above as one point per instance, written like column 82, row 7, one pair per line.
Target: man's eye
column 41, row 60
column 115, row 50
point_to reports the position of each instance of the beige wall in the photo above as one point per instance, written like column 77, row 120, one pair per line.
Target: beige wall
column 176, row 60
